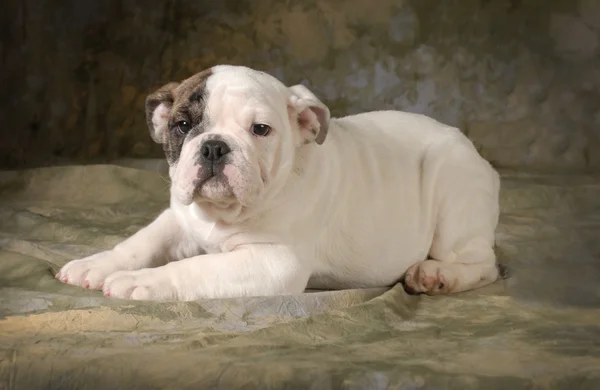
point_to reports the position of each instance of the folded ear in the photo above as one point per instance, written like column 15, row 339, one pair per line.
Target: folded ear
column 312, row 115
column 158, row 107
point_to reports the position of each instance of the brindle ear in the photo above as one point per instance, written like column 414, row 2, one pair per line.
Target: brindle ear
column 313, row 115
column 158, row 106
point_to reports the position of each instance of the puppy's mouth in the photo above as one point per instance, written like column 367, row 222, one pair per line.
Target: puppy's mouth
column 207, row 173
column 212, row 184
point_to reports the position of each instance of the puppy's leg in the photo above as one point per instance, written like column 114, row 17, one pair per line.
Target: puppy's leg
column 152, row 246
column 468, row 268
column 462, row 253
column 250, row 270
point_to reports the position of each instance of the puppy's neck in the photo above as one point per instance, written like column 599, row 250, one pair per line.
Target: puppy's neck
column 210, row 212
column 307, row 187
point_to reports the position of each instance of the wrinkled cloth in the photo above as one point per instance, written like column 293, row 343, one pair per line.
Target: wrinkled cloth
column 540, row 328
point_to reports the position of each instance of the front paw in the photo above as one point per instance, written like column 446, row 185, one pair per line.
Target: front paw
column 90, row 272
column 142, row 285
column 427, row 277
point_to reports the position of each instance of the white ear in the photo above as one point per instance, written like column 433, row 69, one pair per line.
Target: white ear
column 160, row 118
column 313, row 115
column 158, row 107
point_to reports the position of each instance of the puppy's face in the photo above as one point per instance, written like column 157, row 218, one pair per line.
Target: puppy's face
column 230, row 135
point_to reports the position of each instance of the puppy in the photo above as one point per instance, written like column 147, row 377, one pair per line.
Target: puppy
column 270, row 195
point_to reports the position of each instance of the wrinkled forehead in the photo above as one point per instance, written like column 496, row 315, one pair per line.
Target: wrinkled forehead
column 254, row 87
column 230, row 91
column 235, row 80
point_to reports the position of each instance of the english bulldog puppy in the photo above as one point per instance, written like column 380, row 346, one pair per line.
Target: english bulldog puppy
column 270, row 195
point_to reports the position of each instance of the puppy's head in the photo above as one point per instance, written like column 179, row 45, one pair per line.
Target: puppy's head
column 231, row 134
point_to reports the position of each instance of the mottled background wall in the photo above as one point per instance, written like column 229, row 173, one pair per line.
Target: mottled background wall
column 520, row 77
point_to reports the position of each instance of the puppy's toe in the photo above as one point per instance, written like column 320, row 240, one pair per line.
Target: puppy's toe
column 119, row 285
column 426, row 277
column 427, row 281
column 412, row 280
column 91, row 271
column 141, row 293
column 148, row 284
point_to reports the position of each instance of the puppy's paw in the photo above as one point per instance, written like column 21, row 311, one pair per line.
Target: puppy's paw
column 142, row 285
column 428, row 277
column 90, row 272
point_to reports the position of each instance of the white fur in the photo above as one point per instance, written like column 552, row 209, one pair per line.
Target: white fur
column 388, row 194
column 160, row 115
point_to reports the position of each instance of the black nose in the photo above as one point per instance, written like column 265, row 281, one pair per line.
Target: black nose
column 213, row 150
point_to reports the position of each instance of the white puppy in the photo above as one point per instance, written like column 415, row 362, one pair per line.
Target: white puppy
column 269, row 195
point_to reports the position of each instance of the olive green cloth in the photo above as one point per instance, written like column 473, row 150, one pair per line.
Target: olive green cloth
column 538, row 329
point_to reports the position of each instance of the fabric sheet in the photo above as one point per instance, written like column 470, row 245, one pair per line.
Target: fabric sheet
column 538, row 329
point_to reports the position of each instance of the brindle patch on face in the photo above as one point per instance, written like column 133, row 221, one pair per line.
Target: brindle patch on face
column 189, row 105
column 196, row 97
column 164, row 95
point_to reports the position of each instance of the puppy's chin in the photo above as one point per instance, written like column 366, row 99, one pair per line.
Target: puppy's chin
column 216, row 190
column 217, row 198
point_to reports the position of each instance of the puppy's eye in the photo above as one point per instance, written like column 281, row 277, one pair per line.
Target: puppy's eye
column 182, row 127
column 260, row 129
